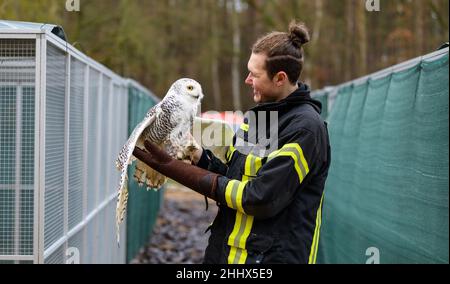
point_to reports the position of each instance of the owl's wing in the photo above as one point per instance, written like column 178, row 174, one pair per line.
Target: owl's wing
column 124, row 159
column 126, row 154
column 214, row 135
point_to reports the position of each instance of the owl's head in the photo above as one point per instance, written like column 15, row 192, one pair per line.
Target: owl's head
column 188, row 89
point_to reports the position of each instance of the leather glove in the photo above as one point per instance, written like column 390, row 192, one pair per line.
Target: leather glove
column 200, row 180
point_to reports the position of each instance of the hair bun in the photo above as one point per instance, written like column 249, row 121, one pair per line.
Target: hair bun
column 298, row 33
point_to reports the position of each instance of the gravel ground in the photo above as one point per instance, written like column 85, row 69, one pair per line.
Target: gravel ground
column 179, row 234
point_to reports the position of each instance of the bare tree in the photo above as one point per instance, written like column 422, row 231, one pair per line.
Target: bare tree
column 215, row 78
column 419, row 25
column 360, row 38
column 349, row 15
column 235, row 70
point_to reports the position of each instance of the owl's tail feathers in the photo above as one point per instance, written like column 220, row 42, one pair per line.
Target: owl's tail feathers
column 154, row 180
column 139, row 174
column 147, row 175
column 122, row 199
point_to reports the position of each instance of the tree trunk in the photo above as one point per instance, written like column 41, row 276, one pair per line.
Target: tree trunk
column 317, row 21
column 349, row 43
column 419, row 26
column 215, row 57
column 235, row 72
column 314, row 48
column 360, row 38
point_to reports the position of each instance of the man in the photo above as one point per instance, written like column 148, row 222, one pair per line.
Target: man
column 269, row 200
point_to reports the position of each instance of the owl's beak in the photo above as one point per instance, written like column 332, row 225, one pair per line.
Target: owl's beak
column 198, row 96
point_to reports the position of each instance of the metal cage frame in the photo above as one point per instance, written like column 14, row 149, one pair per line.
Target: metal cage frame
column 117, row 90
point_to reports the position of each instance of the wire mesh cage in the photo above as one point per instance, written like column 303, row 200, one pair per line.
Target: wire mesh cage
column 62, row 123
column 17, row 140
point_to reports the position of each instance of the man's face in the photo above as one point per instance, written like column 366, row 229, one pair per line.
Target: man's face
column 264, row 89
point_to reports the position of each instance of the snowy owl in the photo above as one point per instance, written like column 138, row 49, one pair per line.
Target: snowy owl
column 167, row 124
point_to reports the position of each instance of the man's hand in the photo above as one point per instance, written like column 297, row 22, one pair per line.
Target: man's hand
column 200, row 180
column 154, row 154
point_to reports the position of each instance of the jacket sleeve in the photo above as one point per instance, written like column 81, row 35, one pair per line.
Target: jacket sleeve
column 284, row 173
column 211, row 163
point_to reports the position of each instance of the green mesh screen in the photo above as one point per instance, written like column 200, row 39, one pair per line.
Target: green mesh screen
column 388, row 182
column 143, row 205
column 323, row 98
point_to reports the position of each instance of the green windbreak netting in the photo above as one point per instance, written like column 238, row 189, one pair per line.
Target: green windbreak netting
column 431, row 162
column 387, row 189
column 143, row 205
column 323, row 98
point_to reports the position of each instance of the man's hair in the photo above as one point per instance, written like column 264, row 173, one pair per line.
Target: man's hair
column 284, row 51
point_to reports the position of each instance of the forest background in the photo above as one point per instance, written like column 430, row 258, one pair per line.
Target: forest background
column 158, row 41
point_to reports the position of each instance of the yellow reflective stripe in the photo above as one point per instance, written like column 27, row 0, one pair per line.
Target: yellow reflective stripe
column 294, row 151
column 273, row 154
column 248, row 163
column 240, row 256
column 240, row 192
column 230, row 152
column 238, row 238
column 233, row 194
column 243, row 223
column 300, row 152
column 232, row 255
column 231, row 186
column 252, row 165
column 237, row 256
column 236, row 228
column 318, row 230
column 241, row 230
column 243, row 256
column 297, row 168
column 248, row 227
column 315, row 243
column 244, row 127
column 258, row 164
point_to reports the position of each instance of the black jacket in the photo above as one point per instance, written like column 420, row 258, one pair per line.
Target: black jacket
column 270, row 194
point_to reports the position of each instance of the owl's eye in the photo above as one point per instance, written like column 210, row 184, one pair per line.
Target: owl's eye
column 190, row 88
